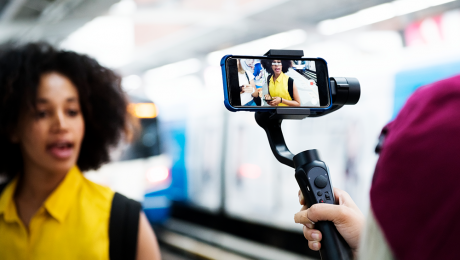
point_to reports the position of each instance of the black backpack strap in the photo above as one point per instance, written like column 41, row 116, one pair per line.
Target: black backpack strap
column 258, row 101
column 291, row 87
column 245, row 73
column 2, row 187
column 268, row 84
column 123, row 228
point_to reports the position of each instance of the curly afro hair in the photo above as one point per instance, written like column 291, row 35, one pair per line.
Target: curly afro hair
column 267, row 64
column 102, row 100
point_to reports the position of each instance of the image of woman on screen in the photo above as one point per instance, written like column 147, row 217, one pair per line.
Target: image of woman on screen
column 248, row 94
column 253, row 66
column 282, row 90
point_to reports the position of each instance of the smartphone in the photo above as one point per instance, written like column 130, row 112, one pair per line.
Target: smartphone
column 260, row 83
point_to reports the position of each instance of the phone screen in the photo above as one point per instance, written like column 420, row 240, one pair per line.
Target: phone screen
column 264, row 82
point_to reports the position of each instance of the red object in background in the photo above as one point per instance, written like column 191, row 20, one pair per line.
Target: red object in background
column 250, row 171
column 433, row 30
column 412, row 35
column 424, row 32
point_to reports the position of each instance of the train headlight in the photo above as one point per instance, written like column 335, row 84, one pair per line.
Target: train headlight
column 143, row 110
column 157, row 174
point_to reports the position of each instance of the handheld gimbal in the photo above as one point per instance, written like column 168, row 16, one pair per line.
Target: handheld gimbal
column 311, row 173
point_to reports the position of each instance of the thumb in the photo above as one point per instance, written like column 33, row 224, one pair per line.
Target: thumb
column 323, row 212
column 343, row 198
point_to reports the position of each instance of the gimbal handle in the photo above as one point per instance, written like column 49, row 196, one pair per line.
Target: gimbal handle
column 311, row 174
column 308, row 168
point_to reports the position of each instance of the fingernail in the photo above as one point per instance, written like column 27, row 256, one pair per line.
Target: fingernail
column 315, row 245
column 315, row 236
column 309, row 225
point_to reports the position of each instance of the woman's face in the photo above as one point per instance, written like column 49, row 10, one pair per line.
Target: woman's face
column 50, row 137
column 250, row 63
column 277, row 66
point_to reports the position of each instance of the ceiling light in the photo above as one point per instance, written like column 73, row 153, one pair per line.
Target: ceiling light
column 172, row 71
column 108, row 39
column 131, row 82
column 260, row 46
column 375, row 14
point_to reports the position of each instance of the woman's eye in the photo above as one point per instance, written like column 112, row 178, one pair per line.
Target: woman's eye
column 42, row 114
column 73, row 112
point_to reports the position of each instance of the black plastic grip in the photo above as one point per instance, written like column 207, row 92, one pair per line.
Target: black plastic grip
column 308, row 168
column 333, row 246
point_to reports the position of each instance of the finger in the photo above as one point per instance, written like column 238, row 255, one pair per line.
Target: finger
column 312, row 234
column 318, row 212
column 325, row 212
column 313, row 245
column 301, row 198
column 309, row 224
column 343, row 198
column 302, row 217
column 303, row 208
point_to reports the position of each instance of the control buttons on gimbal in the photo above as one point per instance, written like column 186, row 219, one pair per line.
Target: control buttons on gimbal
column 321, row 201
column 320, row 181
column 319, row 193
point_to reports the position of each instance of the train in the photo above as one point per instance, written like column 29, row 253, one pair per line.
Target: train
column 220, row 162
column 139, row 169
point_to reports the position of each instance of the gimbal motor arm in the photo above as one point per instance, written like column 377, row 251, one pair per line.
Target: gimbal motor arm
column 345, row 91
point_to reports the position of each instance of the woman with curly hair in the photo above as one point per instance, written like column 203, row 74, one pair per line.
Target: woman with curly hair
column 282, row 90
column 60, row 112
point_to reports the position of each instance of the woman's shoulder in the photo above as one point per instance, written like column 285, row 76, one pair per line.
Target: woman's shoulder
column 97, row 191
column 286, row 75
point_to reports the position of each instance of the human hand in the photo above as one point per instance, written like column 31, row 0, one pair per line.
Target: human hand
column 275, row 101
column 248, row 89
column 346, row 216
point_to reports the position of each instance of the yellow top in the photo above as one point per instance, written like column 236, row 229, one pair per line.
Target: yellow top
column 73, row 223
column 279, row 88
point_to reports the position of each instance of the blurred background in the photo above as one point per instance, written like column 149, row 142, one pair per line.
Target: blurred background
column 206, row 177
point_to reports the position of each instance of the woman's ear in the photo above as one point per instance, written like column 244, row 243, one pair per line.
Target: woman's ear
column 14, row 138
column 15, row 130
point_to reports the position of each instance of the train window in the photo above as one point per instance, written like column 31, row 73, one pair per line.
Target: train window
column 147, row 143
